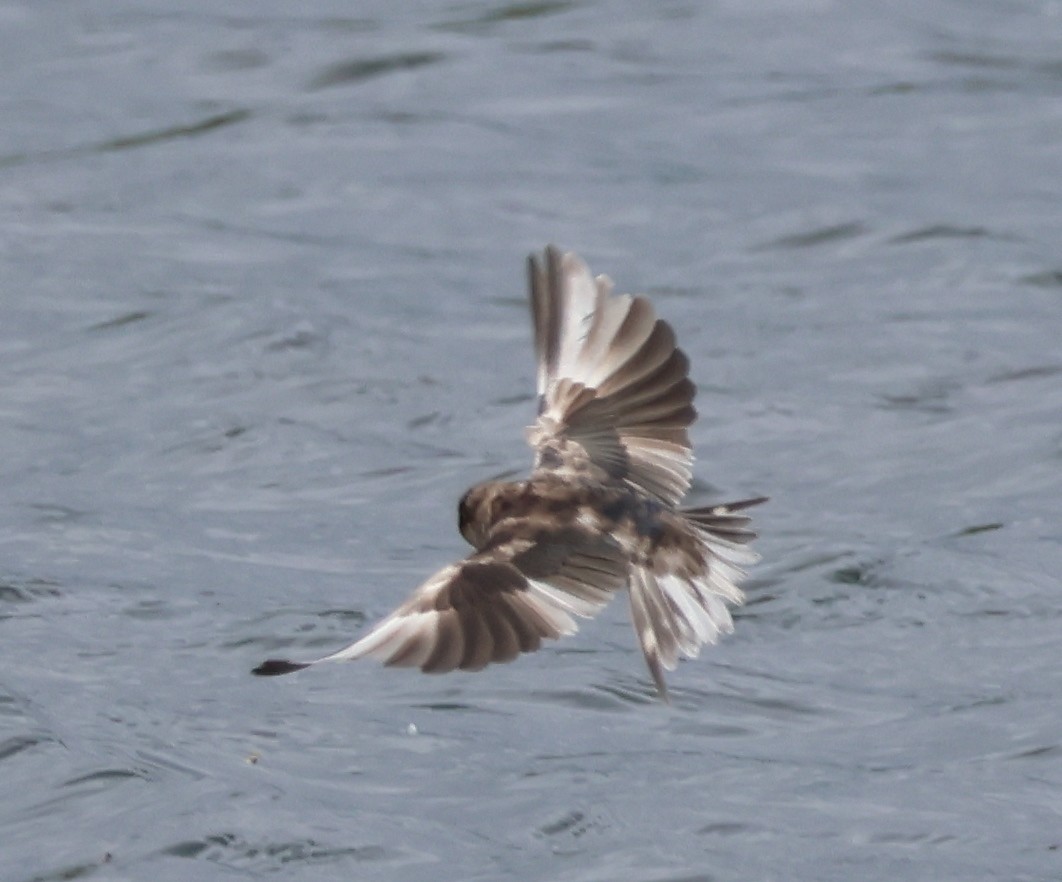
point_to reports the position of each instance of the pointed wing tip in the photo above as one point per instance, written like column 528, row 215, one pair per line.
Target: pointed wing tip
column 657, row 672
column 556, row 259
column 274, row 667
column 551, row 254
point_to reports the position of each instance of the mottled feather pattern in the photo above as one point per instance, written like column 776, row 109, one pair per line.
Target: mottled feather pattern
column 596, row 516
column 611, row 380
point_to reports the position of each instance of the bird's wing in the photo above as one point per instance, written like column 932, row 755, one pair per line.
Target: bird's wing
column 614, row 398
column 679, row 602
column 524, row 587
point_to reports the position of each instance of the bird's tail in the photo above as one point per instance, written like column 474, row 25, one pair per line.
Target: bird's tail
column 676, row 614
column 723, row 522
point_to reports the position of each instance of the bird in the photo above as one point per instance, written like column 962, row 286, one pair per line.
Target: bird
column 598, row 514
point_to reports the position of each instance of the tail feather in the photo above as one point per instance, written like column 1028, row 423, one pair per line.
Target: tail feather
column 723, row 517
column 724, row 530
column 677, row 614
column 651, row 631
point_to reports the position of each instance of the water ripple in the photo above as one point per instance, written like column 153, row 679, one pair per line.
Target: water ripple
column 349, row 72
column 232, row 850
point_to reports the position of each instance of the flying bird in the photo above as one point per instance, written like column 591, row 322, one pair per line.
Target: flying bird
column 598, row 514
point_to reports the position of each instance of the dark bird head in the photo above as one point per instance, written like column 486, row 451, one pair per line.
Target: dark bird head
column 476, row 512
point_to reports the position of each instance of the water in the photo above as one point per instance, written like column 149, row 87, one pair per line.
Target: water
column 263, row 321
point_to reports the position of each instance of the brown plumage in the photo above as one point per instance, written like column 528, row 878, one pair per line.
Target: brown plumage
column 598, row 513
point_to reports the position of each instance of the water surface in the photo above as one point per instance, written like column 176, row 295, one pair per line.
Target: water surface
column 263, row 321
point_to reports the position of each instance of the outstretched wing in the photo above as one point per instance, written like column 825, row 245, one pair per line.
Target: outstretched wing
column 614, row 397
column 523, row 588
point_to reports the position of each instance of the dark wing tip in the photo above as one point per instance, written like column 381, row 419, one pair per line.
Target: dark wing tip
column 747, row 503
column 274, row 667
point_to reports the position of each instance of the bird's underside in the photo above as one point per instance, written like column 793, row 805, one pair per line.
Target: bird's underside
column 598, row 513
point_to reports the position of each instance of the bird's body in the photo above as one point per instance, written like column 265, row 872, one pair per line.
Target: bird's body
column 598, row 513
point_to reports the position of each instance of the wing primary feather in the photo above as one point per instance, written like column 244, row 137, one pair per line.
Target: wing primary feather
column 479, row 645
column 506, row 643
column 274, row 667
column 541, row 316
column 418, row 638
column 615, row 403
column 611, row 381
column 643, row 628
column 449, row 645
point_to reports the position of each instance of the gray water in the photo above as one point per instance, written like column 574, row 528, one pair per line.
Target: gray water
column 263, row 321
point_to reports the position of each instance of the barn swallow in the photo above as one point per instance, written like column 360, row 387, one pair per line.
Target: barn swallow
column 599, row 512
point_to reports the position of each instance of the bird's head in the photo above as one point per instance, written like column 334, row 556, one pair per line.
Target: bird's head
column 475, row 515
